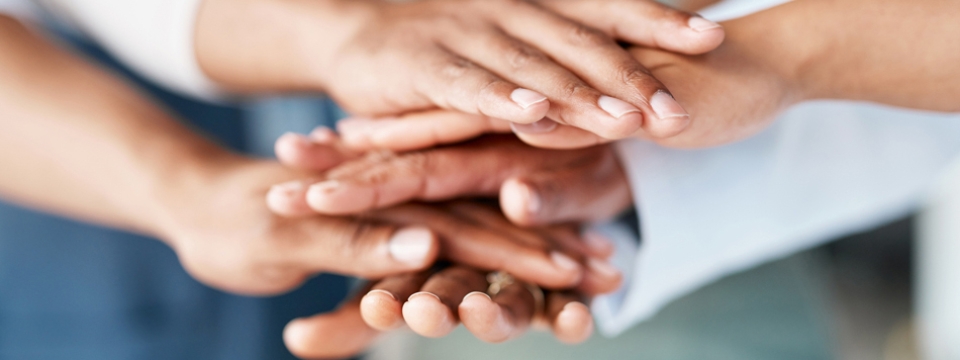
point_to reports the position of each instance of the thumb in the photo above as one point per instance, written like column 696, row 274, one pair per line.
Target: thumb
column 592, row 192
column 338, row 334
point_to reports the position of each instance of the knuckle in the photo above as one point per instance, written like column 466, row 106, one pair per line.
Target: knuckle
column 577, row 89
column 456, row 68
column 416, row 162
column 582, row 35
column 520, row 56
column 640, row 79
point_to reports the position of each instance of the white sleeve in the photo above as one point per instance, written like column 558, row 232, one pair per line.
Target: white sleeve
column 825, row 169
column 155, row 37
column 21, row 9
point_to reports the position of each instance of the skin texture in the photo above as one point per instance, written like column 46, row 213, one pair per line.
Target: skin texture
column 907, row 58
column 535, row 186
column 122, row 162
column 509, row 59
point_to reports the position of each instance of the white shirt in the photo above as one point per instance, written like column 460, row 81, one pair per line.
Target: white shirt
column 154, row 37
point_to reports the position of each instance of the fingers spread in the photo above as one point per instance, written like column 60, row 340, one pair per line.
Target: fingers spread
column 433, row 311
column 339, row 334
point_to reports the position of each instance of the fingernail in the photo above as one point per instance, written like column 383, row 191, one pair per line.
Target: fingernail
column 477, row 293
column 323, row 135
column 563, row 261
column 616, row 107
column 542, row 126
column 603, row 268
column 422, row 294
column 526, row 98
column 411, row 245
column 533, row 199
column 325, row 187
column 381, row 291
column 297, row 139
column 665, row 106
column 597, row 242
column 287, row 189
column 700, row 24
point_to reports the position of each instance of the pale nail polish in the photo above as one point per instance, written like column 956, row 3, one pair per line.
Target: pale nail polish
column 597, row 242
column 616, row 107
column 326, row 187
column 526, row 98
column 411, row 245
column 540, row 127
column 563, row 261
column 700, row 24
column 665, row 106
column 603, row 268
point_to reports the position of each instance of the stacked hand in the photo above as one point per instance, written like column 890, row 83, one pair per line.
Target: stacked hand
column 536, row 188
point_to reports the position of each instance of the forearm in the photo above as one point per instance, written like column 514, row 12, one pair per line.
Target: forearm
column 896, row 52
column 80, row 143
column 273, row 45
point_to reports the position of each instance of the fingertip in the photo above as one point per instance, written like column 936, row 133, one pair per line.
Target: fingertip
column 426, row 315
column 290, row 147
column 414, row 246
column 670, row 117
column 573, row 324
column 381, row 310
column 287, row 199
column 599, row 245
column 296, row 335
column 485, row 318
column 626, row 118
column 601, row 278
column 533, row 105
column 568, row 270
column 520, row 202
column 702, row 36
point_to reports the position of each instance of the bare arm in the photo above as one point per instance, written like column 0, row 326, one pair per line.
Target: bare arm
column 78, row 142
column 896, row 52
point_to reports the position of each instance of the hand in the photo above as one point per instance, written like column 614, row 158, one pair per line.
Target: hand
column 517, row 60
column 434, row 302
column 535, row 186
column 345, row 332
column 730, row 93
column 226, row 237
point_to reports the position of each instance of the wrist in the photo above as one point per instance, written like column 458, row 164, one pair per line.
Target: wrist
column 268, row 45
column 182, row 183
column 793, row 56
